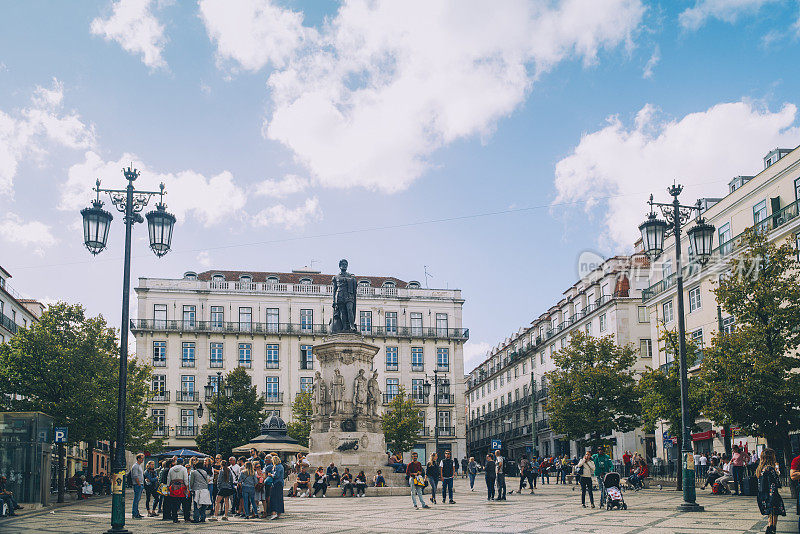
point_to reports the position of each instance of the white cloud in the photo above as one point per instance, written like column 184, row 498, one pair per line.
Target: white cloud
column 209, row 200
column 289, row 218
column 34, row 234
column 134, row 27
column 203, row 259
column 474, row 354
column 652, row 62
column 28, row 132
column 702, row 151
column 288, row 185
column 725, row 10
column 366, row 99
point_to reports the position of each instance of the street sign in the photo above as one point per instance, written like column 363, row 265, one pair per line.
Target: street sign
column 497, row 444
column 60, row 434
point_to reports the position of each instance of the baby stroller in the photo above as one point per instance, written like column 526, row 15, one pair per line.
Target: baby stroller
column 613, row 492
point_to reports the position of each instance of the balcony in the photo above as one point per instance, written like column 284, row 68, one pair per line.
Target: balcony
column 543, row 425
column 541, row 394
column 273, row 398
column 447, row 431
column 215, row 364
column 420, row 399
column 247, row 364
column 8, row 324
column 443, row 367
column 185, row 431
column 273, row 364
column 444, row 399
column 159, row 363
column 417, row 367
column 391, row 367
column 425, row 431
column 389, row 397
column 186, row 396
column 158, row 396
column 161, row 431
column 187, row 363
column 160, row 325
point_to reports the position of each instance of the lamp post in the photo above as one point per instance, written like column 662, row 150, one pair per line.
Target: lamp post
column 211, row 389
column 427, row 388
column 96, row 223
column 700, row 236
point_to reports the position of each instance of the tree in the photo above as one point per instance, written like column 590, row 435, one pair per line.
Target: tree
column 749, row 372
column 67, row 366
column 241, row 415
column 300, row 426
column 401, row 423
column 592, row 391
column 660, row 391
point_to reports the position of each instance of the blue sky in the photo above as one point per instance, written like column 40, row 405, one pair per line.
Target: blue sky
column 291, row 131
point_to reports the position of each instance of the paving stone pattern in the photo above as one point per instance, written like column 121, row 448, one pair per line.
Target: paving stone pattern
column 553, row 509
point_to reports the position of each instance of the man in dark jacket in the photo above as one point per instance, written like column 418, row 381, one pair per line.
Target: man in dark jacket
column 448, row 468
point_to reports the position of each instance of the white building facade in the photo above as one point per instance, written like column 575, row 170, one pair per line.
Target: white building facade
column 191, row 328
column 15, row 312
column 507, row 393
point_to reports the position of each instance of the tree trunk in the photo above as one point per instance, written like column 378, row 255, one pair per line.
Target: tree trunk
column 783, row 454
column 90, row 457
column 727, row 439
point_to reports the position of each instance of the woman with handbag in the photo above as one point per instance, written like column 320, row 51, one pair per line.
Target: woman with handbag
column 433, row 473
column 769, row 500
column 259, row 495
column 151, row 488
column 276, row 492
column 247, row 482
column 585, row 469
column 198, row 484
column 224, row 491
column 165, row 504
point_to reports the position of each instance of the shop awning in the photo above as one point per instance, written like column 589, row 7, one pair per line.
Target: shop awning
column 701, row 436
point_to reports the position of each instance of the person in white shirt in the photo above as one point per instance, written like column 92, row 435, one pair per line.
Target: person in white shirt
column 727, row 474
column 137, row 481
column 703, row 465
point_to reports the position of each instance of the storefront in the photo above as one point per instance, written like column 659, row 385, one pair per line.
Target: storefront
column 704, row 442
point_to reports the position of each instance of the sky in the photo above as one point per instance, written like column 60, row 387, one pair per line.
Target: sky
column 487, row 143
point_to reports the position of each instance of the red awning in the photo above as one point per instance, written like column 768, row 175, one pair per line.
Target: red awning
column 734, row 430
column 700, row 436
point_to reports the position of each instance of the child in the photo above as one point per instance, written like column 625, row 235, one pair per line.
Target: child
column 378, row 481
column 361, row 484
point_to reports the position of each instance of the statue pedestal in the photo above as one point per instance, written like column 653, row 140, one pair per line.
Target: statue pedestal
column 346, row 426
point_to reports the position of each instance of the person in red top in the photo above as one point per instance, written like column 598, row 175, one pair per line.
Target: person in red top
column 737, row 468
column 626, row 460
column 794, row 474
column 413, row 470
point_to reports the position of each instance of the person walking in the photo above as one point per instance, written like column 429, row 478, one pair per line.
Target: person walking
column 535, row 467
column 416, row 480
column 525, row 473
column 490, row 472
column 472, row 472
column 585, row 470
column 464, row 467
column 137, row 480
column 433, row 473
column 500, row 463
column 602, row 465
column 448, row 468
column 626, row 461
column 769, row 499
column 566, row 467
column 737, row 468
column 276, row 491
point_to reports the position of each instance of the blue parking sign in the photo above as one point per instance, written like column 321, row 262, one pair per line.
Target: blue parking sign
column 60, row 434
column 497, row 444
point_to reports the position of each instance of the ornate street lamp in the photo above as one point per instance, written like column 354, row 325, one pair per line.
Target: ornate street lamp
column 200, row 411
column 159, row 225
column 213, row 388
column 96, row 223
column 701, row 237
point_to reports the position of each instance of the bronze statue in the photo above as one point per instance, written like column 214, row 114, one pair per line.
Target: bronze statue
column 344, row 301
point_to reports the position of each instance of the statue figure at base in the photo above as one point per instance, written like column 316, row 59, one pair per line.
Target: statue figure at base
column 360, row 393
column 337, row 392
column 344, row 301
column 373, row 394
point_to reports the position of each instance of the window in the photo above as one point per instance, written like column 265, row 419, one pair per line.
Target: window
column 444, row 422
column 389, row 283
column 516, row 372
column 413, row 285
column 418, row 390
column 727, row 324
column 159, row 419
column 272, row 391
column 694, row 299
column 306, row 320
column 218, row 278
column 272, row 281
column 306, row 384
column 391, row 358
column 391, row 322
column 270, row 413
column 273, row 319
column 603, row 322
column 159, row 353
column 306, row 357
column 644, row 317
column 760, row 213
column 187, row 383
column 588, row 328
column 159, row 383
column 245, row 319
column 365, row 321
column 443, row 358
column 217, row 316
column 697, row 337
column 273, row 356
column 187, row 427
column 189, row 316
column 441, row 325
column 216, row 356
column 502, row 380
column 524, row 371
column 669, row 314
column 416, row 324
column 645, row 348
column 187, row 355
column 666, row 270
column 363, row 283
column 245, row 355
column 392, row 388
column 724, row 238
column 563, row 342
column 213, row 382
column 160, row 315
column 417, row 359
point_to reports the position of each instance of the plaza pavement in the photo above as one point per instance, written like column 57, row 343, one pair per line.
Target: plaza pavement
column 553, row 509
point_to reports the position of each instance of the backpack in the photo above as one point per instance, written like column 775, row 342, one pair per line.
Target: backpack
column 719, row 489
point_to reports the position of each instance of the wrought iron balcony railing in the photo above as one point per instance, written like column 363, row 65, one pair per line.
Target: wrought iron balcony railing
column 273, row 398
column 186, row 396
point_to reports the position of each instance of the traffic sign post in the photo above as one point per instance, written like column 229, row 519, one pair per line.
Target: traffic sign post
column 60, row 434
column 497, row 444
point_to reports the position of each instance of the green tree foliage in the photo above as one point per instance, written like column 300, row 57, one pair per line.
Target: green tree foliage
column 592, row 391
column 300, row 426
column 67, row 366
column 750, row 372
column 401, row 423
column 240, row 419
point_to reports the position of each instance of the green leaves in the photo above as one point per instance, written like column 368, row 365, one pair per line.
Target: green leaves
column 300, row 427
column 592, row 391
column 401, row 423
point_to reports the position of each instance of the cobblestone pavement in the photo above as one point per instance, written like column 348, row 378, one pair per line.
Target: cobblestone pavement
column 554, row 508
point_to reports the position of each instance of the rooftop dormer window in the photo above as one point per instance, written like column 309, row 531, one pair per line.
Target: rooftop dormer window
column 218, row 278
column 272, row 280
column 389, row 283
column 190, row 275
column 363, row 283
column 305, row 281
column 413, row 284
column 246, row 278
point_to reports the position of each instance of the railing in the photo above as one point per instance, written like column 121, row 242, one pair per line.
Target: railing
column 389, row 397
column 158, row 396
column 447, row 431
column 273, row 398
column 542, row 425
column 187, row 363
column 541, row 393
column 391, row 367
column 186, row 396
column 445, row 399
column 186, row 431
column 160, row 325
column 159, row 363
column 420, row 398
column 161, row 431
column 8, row 324
column 417, row 367
column 424, row 431
column 443, row 367
column 215, row 364
column 247, row 364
